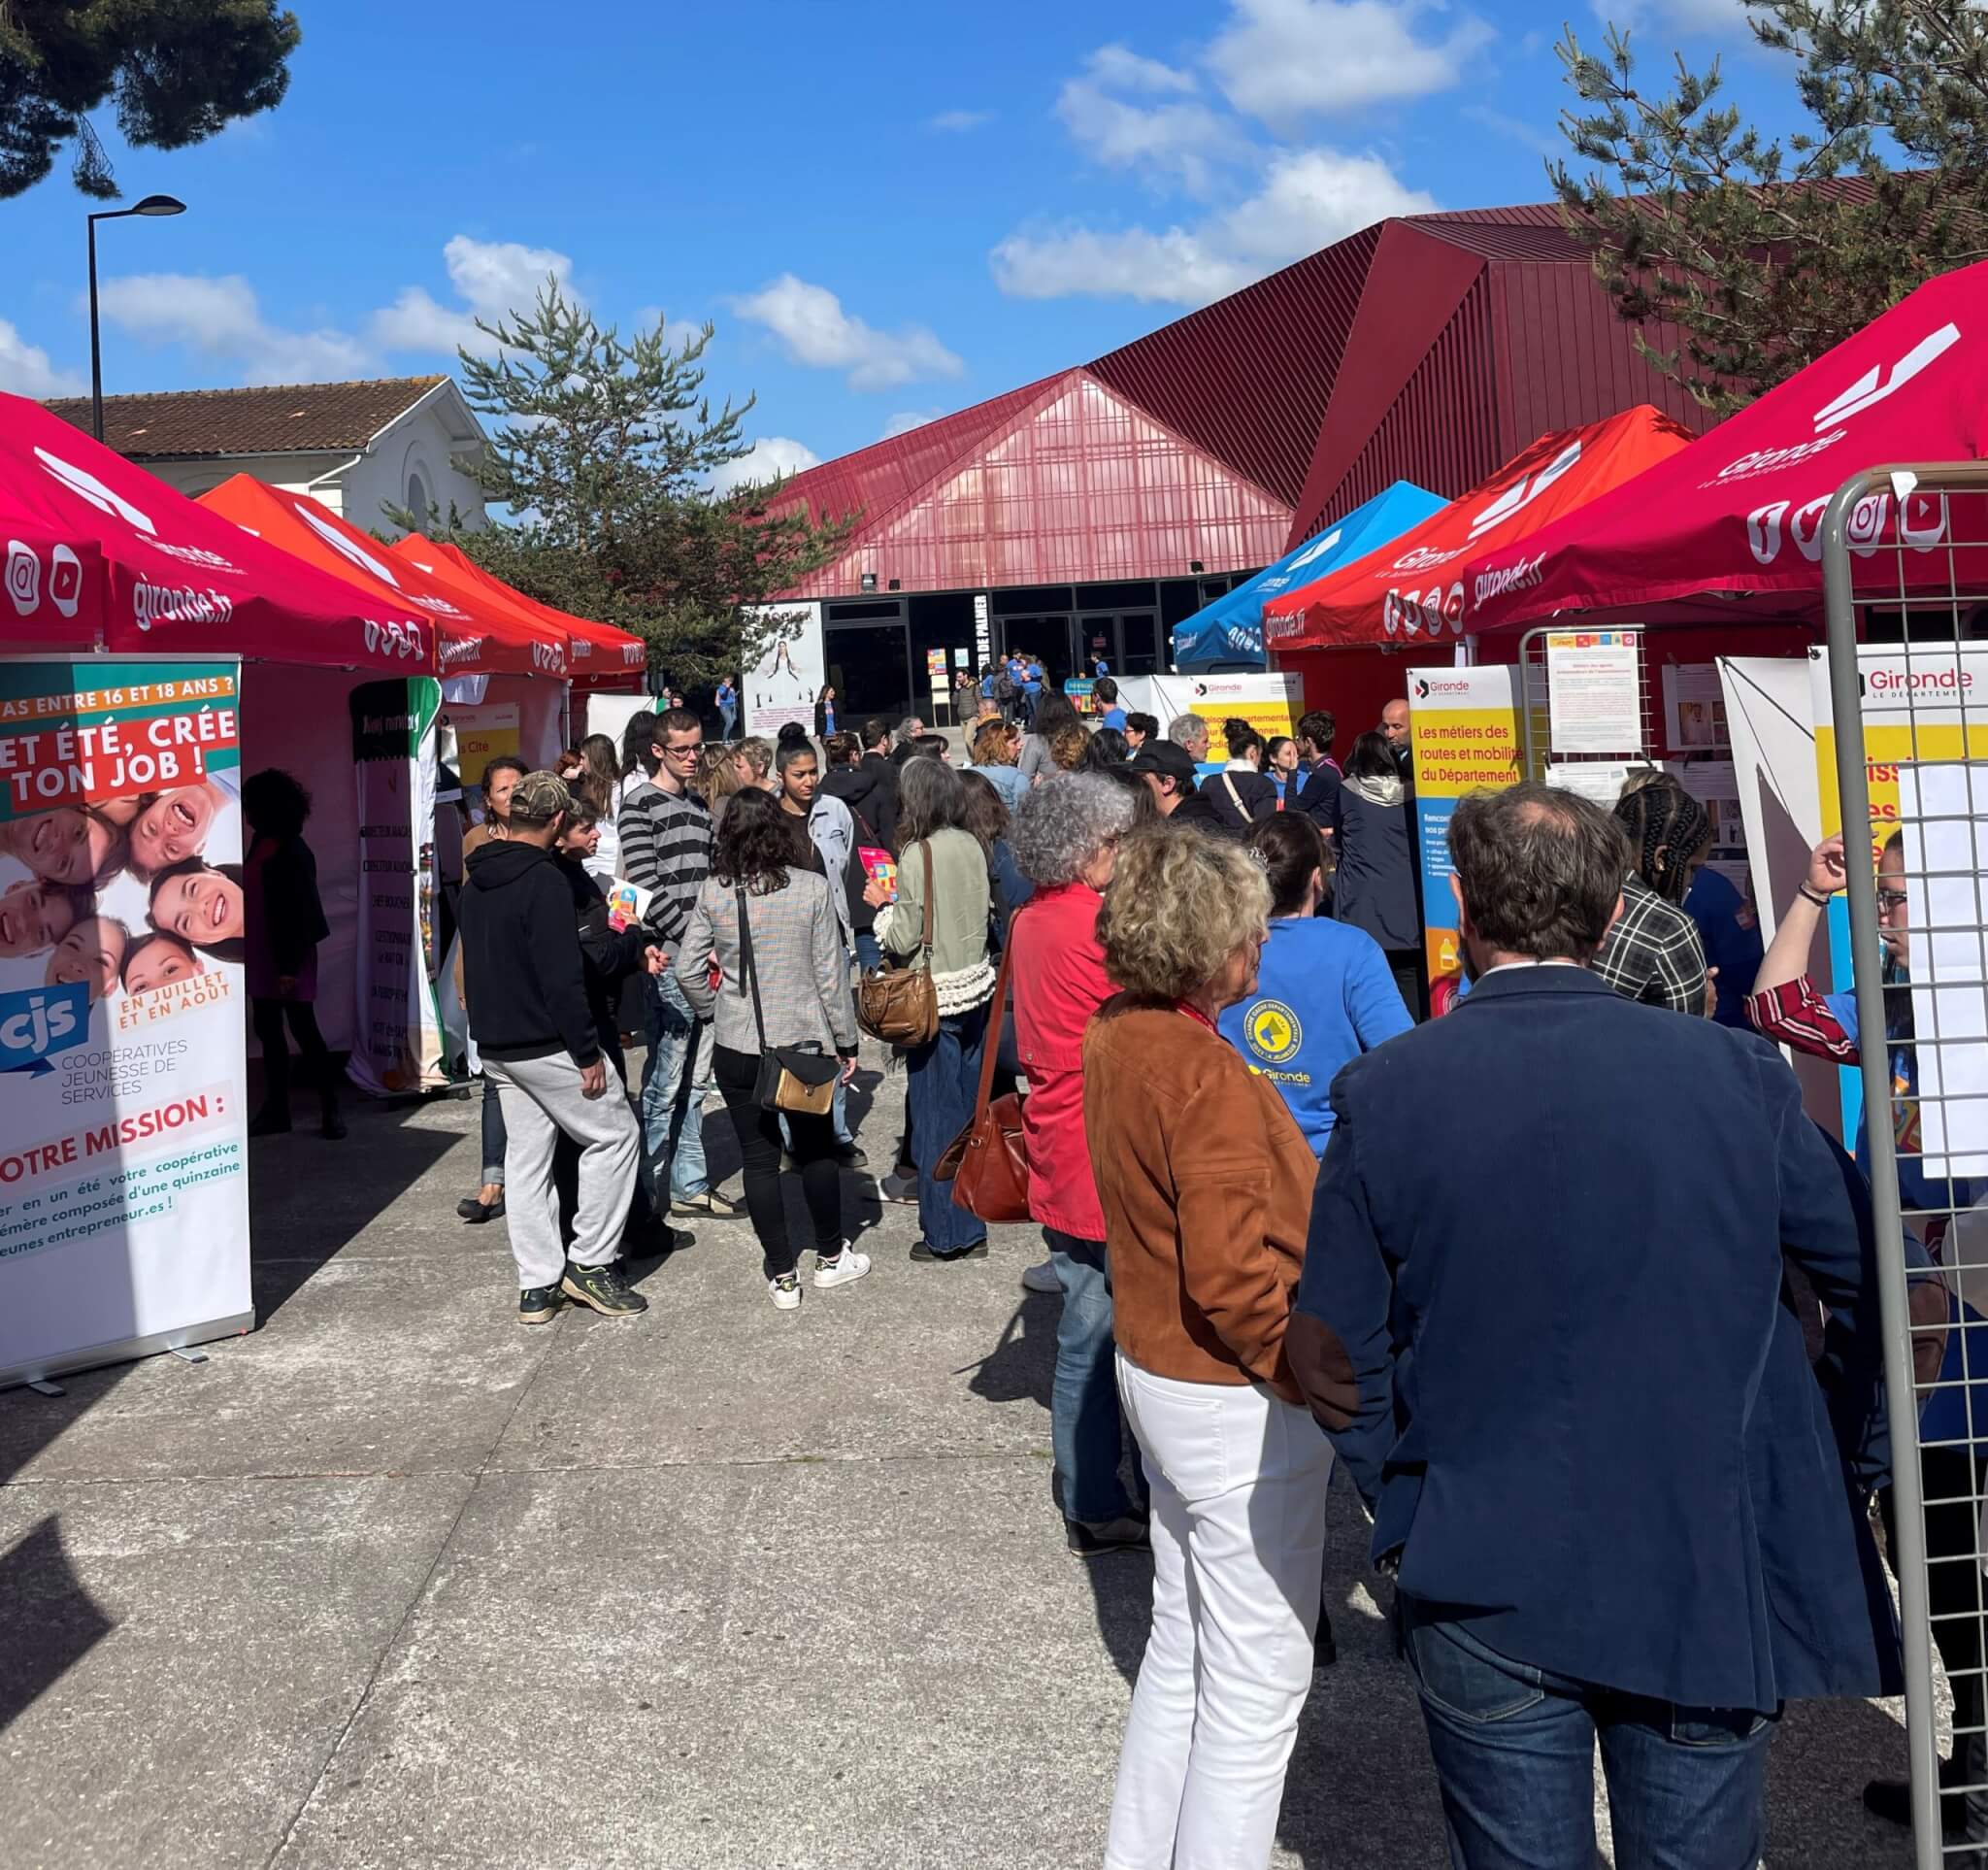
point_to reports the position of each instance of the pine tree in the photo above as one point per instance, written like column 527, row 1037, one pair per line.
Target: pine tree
column 180, row 70
column 1764, row 252
column 602, row 453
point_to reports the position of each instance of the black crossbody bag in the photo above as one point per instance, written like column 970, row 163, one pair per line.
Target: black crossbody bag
column 789, row 1077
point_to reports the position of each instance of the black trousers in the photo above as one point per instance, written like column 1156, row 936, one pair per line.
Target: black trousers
column 268, row 1017
column 759, row 1149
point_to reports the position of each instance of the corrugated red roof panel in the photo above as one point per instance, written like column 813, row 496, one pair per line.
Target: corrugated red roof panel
column 1082, row 487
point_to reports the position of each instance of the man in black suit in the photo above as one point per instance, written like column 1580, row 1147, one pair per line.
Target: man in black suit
column 1572, row 1389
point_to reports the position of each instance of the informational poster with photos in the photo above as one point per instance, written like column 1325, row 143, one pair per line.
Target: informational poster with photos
column 123, row 1187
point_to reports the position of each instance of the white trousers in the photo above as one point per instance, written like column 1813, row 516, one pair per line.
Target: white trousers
column 1238, row 1481
column 540, row 1097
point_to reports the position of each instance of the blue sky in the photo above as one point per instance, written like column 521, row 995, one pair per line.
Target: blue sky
column 890, row 213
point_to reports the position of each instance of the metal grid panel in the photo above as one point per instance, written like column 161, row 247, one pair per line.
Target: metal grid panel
column 1537, row 709
column 1910, row 730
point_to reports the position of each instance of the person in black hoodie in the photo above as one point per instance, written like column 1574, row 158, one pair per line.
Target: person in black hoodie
column 526, row 976
column 876, row 760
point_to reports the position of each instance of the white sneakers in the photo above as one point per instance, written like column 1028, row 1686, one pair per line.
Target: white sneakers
column 846, row 1265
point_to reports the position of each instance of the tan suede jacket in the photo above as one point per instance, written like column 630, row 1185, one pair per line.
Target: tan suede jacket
column 1206, row 1183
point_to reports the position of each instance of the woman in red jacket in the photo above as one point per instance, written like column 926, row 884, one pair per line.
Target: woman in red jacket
column 1065, row 840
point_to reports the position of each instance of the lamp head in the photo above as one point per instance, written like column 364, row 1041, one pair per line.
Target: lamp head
column 159, row 205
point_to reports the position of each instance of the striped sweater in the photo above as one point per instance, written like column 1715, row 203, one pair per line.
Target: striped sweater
column 665, row 848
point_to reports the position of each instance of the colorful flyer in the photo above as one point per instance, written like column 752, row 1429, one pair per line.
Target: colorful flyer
column 123, row 1187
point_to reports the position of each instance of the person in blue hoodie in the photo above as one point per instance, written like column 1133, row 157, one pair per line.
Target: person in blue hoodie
column 1324, row 991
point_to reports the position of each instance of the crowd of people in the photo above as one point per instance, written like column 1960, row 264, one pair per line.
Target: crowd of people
column 1615, row 1502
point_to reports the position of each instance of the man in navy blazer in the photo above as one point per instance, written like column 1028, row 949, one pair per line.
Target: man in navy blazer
column 1549, row 1232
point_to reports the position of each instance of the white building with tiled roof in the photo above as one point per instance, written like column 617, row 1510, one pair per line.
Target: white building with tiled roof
column 358, row 447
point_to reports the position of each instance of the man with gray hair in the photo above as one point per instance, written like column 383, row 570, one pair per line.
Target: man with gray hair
column 523, row 973
column 1191, row 732
column 1551, row 1342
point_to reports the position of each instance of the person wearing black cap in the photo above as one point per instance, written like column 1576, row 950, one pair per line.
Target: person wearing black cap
column 1167, row 771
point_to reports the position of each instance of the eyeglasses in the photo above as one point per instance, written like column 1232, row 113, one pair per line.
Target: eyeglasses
column 1891, row 899
column 683, row 752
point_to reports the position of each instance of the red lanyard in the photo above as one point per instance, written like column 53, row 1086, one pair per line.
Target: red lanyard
column 1196, row 1013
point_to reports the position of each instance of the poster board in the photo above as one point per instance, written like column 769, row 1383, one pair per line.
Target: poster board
column 782, row 686
column 1593, row 691
column 1463, row 733
column 1924, row 706
column 123, row 1095
column 482, row 734
column 1269, row 701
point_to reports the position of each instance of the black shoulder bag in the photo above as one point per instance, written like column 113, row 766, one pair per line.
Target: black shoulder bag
column 789, row 1078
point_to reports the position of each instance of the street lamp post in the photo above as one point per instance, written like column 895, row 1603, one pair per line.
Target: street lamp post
column 151, row 206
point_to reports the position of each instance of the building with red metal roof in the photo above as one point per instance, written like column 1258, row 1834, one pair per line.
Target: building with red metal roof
column 1088, row 513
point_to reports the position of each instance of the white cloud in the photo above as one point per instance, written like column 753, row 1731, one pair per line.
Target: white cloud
column 1546, row 143
column 1708, row 18
column 222, row 317
column 907, row 420
column 1126, row 70
column 1282, row 61
column 491, row 278
column 814, row 330
column 1174, row 139
column 1308, row 199
column 25, row 369
column 959, row 121
column 769, row 457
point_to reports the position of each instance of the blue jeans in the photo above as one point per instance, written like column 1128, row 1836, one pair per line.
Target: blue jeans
column 1514, row 1749
column 942, row 1077
column 675, row 1080
column 729, row 717
column 869, row 951
column 1085, row 1426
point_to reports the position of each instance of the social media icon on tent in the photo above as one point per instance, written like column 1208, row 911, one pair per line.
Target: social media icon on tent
column 23, row 577
column 1865, row 526
column 1764, row 531
column 65, row 581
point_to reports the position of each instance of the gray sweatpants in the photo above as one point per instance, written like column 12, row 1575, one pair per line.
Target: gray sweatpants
column 540, row 1097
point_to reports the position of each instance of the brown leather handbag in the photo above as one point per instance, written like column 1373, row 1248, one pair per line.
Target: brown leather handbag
column 899, row 1004
column 987, row 1163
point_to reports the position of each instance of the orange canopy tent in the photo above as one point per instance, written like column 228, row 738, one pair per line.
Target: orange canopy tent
column 1412, row 590
column 599, row 656
column 474, row 638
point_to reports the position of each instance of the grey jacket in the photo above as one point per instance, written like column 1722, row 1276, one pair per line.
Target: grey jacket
column 797, row 957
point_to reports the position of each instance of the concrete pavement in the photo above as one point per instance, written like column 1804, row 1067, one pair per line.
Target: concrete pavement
column 396, row 1581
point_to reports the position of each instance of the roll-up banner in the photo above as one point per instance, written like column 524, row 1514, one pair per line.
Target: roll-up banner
column 397, row 1032
column 123, row 1196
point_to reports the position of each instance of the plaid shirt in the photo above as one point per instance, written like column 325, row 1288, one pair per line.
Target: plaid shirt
column 1653, row 954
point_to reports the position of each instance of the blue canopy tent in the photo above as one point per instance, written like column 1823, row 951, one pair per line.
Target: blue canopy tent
column 1228, row 632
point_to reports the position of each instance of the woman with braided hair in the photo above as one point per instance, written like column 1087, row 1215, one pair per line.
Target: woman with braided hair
column 1652, row 952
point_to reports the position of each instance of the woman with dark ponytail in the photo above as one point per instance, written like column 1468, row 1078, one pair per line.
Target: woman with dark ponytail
column 1652, row 952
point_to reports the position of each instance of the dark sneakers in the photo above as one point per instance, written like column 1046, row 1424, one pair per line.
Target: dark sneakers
column 1093, row 1541
column 926, row 1255
column 537, row 1305
column 602, row 1288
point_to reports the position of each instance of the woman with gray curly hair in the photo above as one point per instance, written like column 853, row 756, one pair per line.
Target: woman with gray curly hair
column 1065, row 840
column 1204, row 1182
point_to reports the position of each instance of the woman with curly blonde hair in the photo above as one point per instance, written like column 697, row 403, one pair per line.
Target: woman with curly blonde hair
column 1205, row 1183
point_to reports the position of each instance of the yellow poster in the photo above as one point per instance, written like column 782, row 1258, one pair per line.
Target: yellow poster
column 480, row 735
column 1463, row 727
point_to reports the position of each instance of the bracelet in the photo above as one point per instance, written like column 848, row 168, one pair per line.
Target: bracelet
column 1802, row 888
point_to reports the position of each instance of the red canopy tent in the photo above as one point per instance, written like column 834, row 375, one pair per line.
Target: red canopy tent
column 473, row 637
column 1413, row 589
column 599, row 656
column 1729, row 528
column 101, row 554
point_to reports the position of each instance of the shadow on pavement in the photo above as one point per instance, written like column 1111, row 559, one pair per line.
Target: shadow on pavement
column 49, row 1622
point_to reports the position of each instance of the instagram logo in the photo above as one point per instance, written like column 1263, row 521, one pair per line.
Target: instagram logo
column 23, row 577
